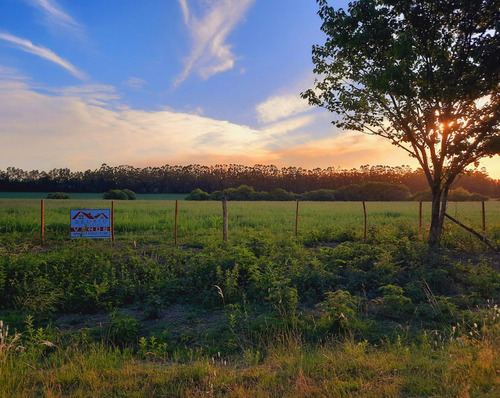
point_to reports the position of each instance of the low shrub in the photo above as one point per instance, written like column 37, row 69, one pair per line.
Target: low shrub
column 372, row 191
column 243, row 192
column 281, row 195
column 455, row 195
column 322, row 195
column 58, row 195
column 119, row 194
column 130, row 194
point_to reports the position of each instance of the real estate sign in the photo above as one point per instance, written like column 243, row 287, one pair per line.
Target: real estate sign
column 90, row 223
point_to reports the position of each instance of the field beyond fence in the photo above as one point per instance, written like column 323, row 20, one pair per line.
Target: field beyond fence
column 155, row 220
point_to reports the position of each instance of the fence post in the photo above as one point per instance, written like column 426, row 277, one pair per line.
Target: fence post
column 484, row 218
column 113, row 221
column 364, row 217
column 176, row 216
column 225, row 223
column 297, row 219
column 420, row 215
column 42, row 222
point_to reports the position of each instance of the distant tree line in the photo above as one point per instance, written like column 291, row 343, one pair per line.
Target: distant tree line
column 371, row 191
column 184, row 179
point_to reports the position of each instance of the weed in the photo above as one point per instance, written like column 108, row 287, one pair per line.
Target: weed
column 150, row 348
column 338, row 310
column 7, row 343
column 122, row 330
column 394, row 300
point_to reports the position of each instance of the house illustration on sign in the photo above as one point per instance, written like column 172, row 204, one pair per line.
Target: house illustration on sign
column 81, row 215
column 101, row 216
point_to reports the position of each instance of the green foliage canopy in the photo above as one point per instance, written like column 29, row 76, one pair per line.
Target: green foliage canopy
column 424, row 74
column 429, row 68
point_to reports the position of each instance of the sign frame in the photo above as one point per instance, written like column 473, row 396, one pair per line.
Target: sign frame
column 90, row 223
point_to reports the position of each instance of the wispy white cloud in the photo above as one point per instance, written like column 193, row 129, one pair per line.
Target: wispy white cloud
column 185, row 10
column 29, row 47
column 84, row 126
column 8, row 73
column 286, row 126
column 135, row 82
column 210, row 53
column 93, row 94
column 280, row 107
column 55, row 15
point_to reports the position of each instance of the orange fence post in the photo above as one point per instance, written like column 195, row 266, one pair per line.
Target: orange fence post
column 484, row 218
column 176, row 216
column 364, row 216
column 225, row 222
column 297, row 219
column 420, row 215
column 42, row 222
column 113, row 221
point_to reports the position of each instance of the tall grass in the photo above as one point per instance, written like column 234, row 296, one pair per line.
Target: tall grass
column 453, row 367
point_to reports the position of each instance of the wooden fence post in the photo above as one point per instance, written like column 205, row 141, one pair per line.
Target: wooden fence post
column 364, row 217
column 225, row 222
column 420, row 215
column 113, row 221
column 176, row 216
column 484, row 218
column 42, row 222
column 297, row 219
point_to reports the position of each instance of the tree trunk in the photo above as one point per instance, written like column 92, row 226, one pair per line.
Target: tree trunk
column 444, row 202
column 436, row 225
column 439, row 202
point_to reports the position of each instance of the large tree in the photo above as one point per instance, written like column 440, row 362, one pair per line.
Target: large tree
column 424, row 74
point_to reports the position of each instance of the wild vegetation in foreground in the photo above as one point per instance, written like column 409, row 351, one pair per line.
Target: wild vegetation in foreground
column 265, row 314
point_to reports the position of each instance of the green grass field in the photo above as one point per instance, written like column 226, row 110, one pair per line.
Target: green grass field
column 326, row 313
column 145, row 219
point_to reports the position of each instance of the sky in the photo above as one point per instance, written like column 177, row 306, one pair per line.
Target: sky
column 149, row 83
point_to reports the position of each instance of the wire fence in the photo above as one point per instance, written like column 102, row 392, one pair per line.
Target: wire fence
column 179, row 222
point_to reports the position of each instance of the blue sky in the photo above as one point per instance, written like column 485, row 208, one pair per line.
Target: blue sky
column 147, row 83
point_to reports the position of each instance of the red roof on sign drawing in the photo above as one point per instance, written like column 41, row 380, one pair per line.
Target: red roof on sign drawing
column 88, row 215
column 101, row 215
